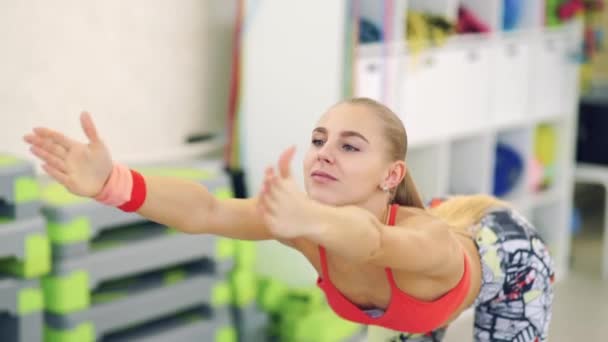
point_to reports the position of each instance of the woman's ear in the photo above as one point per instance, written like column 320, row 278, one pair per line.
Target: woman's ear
column 396, row 173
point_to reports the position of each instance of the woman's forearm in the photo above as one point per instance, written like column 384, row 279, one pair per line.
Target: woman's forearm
column 189, row 207
column 176, row 203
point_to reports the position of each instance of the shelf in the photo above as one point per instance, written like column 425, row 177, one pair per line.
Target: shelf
column 546, row 197
column 457, row 100
column 552, row 221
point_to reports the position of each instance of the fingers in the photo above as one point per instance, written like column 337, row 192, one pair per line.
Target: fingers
column 48, row 145
column 55, row 173
column 89, row 127
column 49, row 158
column 285, row 162
column 270, row 187
column 58, row 138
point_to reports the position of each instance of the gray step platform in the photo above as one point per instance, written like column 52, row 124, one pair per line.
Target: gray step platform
column 21, row 329
column 251, row 323
column 24, row 247
column 21, row 304
column 69, row 286
column 143, row 301
column 199, row 324
column 20, row 211
column 19, row 190
column 143, row 255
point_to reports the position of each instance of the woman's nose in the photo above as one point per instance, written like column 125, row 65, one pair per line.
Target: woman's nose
column 325, row 154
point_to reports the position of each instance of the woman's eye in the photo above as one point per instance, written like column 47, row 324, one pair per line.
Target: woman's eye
column 317, row 142
column 349, row 148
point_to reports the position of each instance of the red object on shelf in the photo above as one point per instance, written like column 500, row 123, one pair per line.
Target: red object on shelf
column 469, row 23
column 570, row 9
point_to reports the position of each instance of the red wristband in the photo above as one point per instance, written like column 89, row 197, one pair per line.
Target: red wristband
column 138, row 193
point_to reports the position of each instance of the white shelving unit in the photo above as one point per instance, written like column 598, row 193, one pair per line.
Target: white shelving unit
column 462, row 98
column 457, row 101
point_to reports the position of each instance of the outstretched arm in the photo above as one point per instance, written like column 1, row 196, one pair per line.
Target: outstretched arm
column 418, row 242
column 84, row 168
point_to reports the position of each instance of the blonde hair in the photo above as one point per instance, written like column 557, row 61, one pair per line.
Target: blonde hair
column 464, row 211
column 459, row 212
column 405, row 193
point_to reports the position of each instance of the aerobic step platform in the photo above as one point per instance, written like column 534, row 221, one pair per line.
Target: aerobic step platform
column 199, row 324
column 132, row 301
column 252, row 324
column 19, row 190
column 21, row 304
column 67, row 289
column 24, row 247
column 74, row 220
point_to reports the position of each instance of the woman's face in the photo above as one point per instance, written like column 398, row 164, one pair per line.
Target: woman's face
column 346, row 162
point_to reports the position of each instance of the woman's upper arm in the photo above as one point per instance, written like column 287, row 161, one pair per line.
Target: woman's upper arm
column 428, row 248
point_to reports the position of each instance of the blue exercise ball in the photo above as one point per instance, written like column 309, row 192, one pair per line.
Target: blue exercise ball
column 508, row 169
column 512, row 12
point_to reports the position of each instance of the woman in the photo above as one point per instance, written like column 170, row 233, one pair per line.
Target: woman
column 382, row 258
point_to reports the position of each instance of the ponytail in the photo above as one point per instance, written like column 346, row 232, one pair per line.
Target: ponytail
column 407, row 194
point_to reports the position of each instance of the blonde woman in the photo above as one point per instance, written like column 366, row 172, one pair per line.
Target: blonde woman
column 383, row 259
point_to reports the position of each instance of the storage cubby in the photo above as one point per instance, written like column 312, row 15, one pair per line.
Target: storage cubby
column 512, row 151
column 469, row 165
column 426, row 77
column 371, row 78
column 510, row 88
column 547, row 157
column 427, row 166
column 548, row 75
column 444, row 8
column 488, row 11
column 380, row 21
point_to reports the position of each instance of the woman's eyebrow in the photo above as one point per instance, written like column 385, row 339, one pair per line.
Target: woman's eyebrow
column 344, row 134
column 347, row 134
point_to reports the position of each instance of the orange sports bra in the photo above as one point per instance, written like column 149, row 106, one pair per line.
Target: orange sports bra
column 404, row 312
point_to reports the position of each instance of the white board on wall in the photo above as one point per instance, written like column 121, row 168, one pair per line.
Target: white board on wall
column 147, row 70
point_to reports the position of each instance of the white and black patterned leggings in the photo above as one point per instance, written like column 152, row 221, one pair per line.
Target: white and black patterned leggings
column 514, row 303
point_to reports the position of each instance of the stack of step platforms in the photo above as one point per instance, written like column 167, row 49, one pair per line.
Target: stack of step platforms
column 21, row 304
column 117, row 276
column 24, row 252
column 252, row 323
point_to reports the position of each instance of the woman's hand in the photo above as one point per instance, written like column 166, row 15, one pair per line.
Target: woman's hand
column 82, row 168
column 287, row 211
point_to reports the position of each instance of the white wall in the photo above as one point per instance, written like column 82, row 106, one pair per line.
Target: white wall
column 291, row 74
column 150, row 71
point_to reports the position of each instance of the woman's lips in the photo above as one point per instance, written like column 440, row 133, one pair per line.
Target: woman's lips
column 321, row 176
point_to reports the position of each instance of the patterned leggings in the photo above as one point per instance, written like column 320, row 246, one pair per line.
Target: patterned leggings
column 514, row 303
